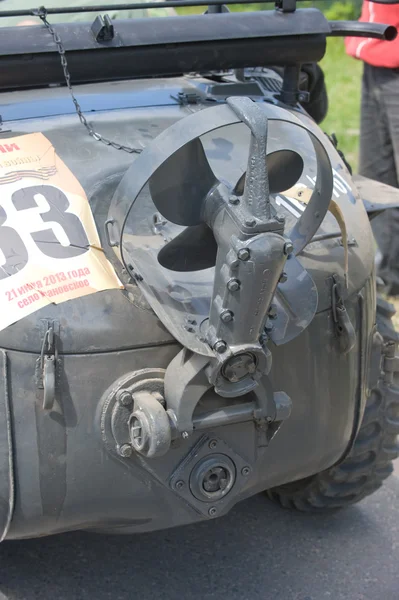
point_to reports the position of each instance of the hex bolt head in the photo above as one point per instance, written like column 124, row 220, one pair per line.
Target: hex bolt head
column 283, row 277
column 212, row 511
column 245, row 471
column 220, row 347
column 125, row 451
column 125, row 398
column 288, row 248
column 244, row 254
column 179, row 485
column 212, row 444
column 272, row 314
column 185, row 435
column 234, row 200
column 233, row 285
column 250, row 222
column 226, row 316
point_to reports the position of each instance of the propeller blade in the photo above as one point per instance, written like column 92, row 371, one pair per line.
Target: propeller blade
column 181, row 184
column 194, row 249
column 284, row 169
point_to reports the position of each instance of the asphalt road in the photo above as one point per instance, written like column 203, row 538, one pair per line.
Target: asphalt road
column 258, row 551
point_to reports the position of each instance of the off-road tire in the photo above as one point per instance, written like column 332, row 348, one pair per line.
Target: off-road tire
column 370, row 461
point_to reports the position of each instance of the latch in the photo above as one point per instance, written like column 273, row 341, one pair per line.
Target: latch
column 343, row 326
column 46, row 365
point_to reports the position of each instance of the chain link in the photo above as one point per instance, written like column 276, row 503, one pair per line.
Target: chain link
column 42, row 14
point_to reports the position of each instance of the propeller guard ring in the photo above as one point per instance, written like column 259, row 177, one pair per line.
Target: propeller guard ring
column 175, row 138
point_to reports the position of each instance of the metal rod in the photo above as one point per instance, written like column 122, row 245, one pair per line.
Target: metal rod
column 113, row 7
column 240, row 413
column 326, row 236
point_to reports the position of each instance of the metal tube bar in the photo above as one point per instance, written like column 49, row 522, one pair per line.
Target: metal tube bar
column 240, row 413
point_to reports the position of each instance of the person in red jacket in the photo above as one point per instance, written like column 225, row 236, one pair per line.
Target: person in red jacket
column 379, row 128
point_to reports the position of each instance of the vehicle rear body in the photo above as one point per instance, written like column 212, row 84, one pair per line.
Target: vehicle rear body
column 63, row 476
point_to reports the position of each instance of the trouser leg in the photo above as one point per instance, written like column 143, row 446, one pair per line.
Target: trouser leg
column 379, row 158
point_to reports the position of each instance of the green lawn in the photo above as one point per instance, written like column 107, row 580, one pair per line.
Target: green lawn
column 343, row 79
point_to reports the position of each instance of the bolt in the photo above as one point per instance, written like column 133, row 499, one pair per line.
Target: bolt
column 250, row 222
column 226, row 316
column 272, row 314
column 184, row 435
column 179, row 485
column 269, row 326
column 243, row 254
column 234, row 200
column 245, row 471
column 125, row 450
column 212, row 444
column 283, row 277
column 220, row 347
column 212, row 511
column 233, row 285
column 302, row 97
column 125, row 398
column 280, row 219
column 288, row 248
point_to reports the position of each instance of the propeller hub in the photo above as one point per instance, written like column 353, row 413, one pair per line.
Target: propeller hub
column 239, row 367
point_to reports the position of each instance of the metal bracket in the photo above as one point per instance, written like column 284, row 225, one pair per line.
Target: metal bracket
column 107, row 227
column 102, row 29
column 286, row 6
column 187, row 98
column 187, row 480
column 186, row 382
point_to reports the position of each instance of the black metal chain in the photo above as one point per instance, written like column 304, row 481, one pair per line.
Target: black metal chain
column 42, row 14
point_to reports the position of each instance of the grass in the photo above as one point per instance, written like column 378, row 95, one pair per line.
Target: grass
column 343, row 80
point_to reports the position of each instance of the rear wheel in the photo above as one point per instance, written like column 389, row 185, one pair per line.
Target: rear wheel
column 370, row 461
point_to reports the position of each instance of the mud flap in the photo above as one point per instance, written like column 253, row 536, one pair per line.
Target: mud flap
column 6, row 455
